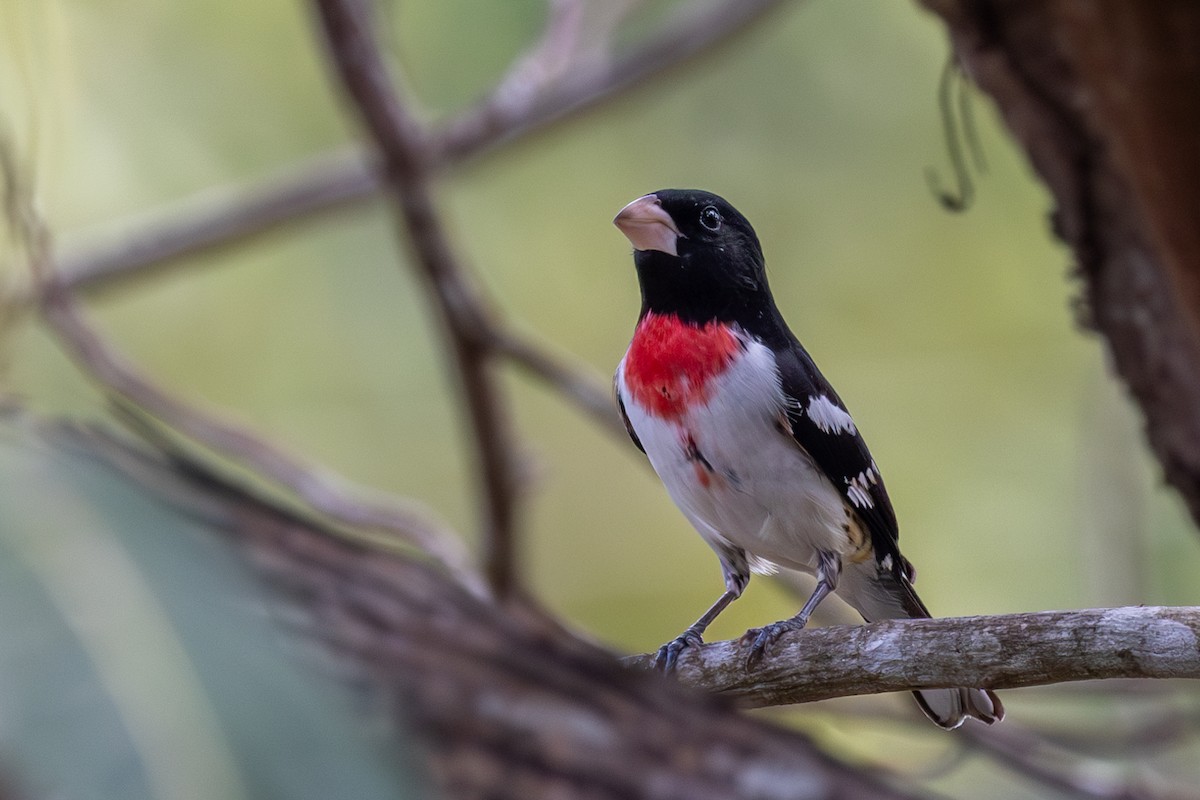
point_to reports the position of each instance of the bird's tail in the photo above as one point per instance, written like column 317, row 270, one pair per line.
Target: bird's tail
column 949, row 708
column 880, row 594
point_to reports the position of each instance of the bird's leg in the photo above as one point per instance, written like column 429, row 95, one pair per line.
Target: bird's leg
column 829, row 568
column 668, row 654
column 737, row 574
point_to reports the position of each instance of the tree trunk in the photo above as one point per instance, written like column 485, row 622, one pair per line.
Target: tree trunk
column 1104, row 95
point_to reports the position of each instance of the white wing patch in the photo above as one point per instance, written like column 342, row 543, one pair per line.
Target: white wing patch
column 858, row 488
column 829, row 416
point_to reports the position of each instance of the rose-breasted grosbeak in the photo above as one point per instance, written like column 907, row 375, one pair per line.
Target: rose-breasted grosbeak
column 753, row 444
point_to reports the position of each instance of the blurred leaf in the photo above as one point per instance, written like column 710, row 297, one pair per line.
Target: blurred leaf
column 138, row 660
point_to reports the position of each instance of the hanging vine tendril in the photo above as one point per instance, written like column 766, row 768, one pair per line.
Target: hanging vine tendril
column 958, row 127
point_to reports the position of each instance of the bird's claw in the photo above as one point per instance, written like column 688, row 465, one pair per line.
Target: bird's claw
column 668, row 654
column 762, row 638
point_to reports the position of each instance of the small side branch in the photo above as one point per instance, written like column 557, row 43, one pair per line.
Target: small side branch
column 401, row 142
column 322, row 490
column 997, row 652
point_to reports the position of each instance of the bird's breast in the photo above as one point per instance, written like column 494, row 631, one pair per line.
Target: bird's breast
column 721, row 453
column 671, row 365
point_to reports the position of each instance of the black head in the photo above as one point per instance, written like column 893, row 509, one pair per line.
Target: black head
column 696, row 256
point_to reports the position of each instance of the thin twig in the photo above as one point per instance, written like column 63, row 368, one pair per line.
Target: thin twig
column 693, row 31
column 324, row 491
column 578, row 386
column 1029, row 754
column 1022, row 752
column 218, row 218
column 955, row 128
column 549, row 58
column 401, row 142
column 1161, row 731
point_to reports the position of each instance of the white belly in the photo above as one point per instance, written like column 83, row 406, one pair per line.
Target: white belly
column 736, row 476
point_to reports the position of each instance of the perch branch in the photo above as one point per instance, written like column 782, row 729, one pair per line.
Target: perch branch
column 401, row 142
column 1000, row 652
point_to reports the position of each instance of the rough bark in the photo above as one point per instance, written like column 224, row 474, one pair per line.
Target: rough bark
column 1102, row 95
column 999, row 652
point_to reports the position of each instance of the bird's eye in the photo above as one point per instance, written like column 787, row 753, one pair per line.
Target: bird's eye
column 710, row 218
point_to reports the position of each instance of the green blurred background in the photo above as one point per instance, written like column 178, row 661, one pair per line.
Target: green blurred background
column 1014, row 461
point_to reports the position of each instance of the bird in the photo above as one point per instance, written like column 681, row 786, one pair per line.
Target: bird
column 751, row 441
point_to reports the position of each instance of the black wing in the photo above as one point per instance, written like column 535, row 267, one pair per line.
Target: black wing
column 821, row 425
column 625, row 417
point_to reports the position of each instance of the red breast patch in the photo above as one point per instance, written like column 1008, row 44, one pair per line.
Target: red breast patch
column 670, row 363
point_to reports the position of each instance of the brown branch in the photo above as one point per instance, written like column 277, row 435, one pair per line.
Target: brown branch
column 999, row 652
column 400, row 140
column 323, row 491
column 334, row 180
column 553, row 88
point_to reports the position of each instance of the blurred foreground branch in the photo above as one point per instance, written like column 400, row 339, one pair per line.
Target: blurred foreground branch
column 998, row 652
column 508, row 704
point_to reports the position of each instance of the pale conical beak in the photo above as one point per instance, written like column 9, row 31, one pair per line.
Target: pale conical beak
column 648, row 226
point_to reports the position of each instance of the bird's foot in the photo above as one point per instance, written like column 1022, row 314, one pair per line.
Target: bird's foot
column 668, row 654
column 762, row 638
